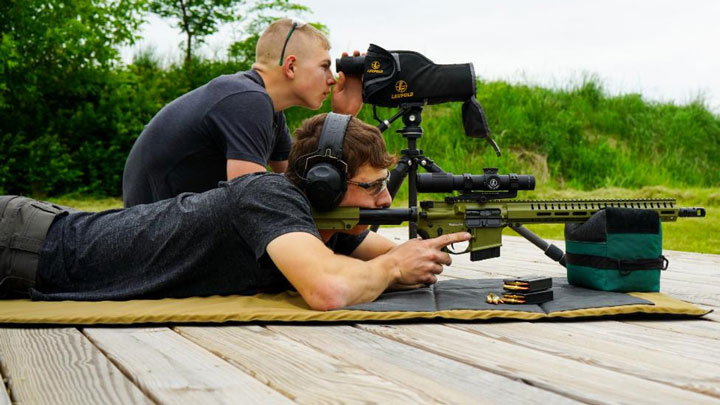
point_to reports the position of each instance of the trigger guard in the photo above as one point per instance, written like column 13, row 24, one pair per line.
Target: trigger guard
column 452, row 252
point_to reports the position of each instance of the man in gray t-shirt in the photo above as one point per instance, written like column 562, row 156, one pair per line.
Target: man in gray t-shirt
column 187, row 145
column 235, row 124
column 254, row 233
column 191, row 245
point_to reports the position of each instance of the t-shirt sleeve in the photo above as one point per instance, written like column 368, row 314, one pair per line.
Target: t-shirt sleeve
column 283, row 140
column 345, row 244
column 245, row 120
column 273, row 207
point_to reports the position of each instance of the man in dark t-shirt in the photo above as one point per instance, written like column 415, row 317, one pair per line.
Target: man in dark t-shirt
column 254, row 233
column 187, row 144
column 198, row 244
column 235, row 124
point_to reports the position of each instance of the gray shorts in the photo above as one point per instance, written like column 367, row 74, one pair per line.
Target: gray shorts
column 24, row 223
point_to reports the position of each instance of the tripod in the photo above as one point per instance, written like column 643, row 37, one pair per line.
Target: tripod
column 412, row 158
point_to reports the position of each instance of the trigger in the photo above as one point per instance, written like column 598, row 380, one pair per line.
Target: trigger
column 423, row 234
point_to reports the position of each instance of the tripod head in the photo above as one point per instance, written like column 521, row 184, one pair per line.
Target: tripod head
column 412, row 116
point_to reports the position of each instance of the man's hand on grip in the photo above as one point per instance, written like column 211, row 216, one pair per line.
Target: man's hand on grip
column 419, row 261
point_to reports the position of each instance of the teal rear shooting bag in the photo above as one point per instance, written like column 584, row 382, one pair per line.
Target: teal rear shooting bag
column 617, row 249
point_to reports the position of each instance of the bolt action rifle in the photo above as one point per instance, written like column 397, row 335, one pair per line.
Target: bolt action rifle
column 483, row 208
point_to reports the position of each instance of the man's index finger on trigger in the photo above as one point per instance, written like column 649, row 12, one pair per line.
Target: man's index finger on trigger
column 450, row 238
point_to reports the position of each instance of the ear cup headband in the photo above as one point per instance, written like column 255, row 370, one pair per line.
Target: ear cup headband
column 325, row 172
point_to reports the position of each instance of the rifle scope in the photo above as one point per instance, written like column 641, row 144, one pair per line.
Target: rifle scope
column 489, row 181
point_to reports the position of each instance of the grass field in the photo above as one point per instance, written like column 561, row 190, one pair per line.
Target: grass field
column 689, row 234
column 578, row 142
column 576, row 138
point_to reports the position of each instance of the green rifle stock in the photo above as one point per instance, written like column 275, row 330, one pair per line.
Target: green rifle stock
column 486, row 220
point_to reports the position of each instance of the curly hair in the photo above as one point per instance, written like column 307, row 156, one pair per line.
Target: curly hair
column 363, row 144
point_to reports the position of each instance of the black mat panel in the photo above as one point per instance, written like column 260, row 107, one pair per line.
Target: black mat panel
column 569, row 297
column 470, row 294
column 420, row 300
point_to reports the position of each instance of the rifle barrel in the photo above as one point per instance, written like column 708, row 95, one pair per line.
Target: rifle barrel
column 694, row 212
column 387, row 216
column 554, row 211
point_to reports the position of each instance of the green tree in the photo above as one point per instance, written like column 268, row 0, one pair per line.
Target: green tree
column 198, row 19
column 57, row 58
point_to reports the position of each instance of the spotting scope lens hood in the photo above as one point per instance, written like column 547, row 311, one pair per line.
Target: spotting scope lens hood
column 397, row 78
column 391, row 78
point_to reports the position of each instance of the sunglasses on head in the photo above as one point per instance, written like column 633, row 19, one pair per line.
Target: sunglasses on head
column 295, row 25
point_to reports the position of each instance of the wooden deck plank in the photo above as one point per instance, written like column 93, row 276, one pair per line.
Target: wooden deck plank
column 4, row 395
column 570, row 378
column 710, row 330
column 171, row 369
column 52, row 366
column 690, row 347
column 596, row 345
column 698, row 294
column 437, row 377
column 302, row 373
column 713, row 316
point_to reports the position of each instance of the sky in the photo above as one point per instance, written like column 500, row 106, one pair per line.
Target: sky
column 665, row 50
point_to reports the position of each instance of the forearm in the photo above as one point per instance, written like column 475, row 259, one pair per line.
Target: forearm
column 327, row 280
column 353, row 281
column 373, row 246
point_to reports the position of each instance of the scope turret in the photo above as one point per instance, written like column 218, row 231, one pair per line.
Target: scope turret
column 490, row 180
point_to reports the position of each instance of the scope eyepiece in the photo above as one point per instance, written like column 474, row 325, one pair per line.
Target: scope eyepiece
column 489, row 181
column 350, row 65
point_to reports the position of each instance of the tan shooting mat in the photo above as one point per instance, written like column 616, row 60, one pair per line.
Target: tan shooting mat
column 290, row 307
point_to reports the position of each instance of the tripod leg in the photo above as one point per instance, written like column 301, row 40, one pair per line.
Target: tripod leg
column 397, row 176
column 429, row 165
column 550, row 250
column 400, row 172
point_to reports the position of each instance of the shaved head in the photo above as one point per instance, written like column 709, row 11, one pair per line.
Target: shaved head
column 303, row 41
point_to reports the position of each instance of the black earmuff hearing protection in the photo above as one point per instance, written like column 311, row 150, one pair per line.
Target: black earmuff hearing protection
column 325, row 173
